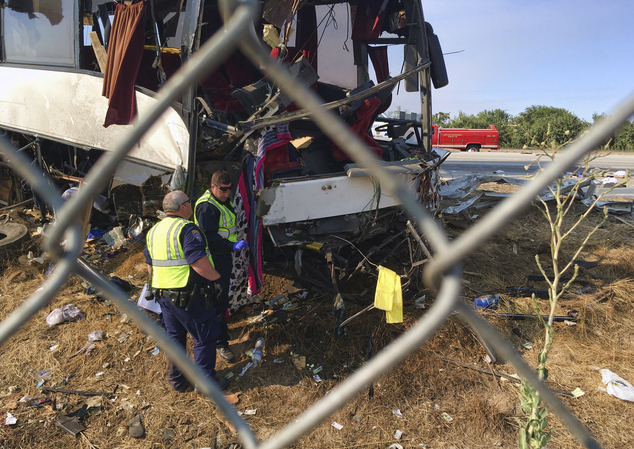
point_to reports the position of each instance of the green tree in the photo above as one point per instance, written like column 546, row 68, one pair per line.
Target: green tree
column 623, row 139
column 441, row 119
column 539, row 124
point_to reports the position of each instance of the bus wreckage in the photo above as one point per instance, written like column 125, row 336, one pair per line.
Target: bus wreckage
column 77, row 72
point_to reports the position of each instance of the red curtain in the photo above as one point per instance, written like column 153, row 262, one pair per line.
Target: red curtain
column 378, row 56
column 368, row 22
column 125, row 50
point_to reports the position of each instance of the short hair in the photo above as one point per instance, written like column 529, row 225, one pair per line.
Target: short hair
column 173, row 201
column 220, row 177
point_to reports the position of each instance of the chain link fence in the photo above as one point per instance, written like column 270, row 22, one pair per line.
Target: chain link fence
column 443, row 272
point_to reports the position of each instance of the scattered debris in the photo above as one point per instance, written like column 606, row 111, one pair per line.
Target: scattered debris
column 71, row 424
column 617, row 386
column 11, row 420
column 245, row 368
column 446, row 417
column 489, row 302
column 336, row 425
column 398, row 434
column 43, row 374
column 96, row 336
column 397, row 413
column 69, row 312
column 87, row 348
column 136, row 429
column 81, row 393
column 577, row 392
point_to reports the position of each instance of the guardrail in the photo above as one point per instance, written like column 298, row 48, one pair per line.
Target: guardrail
column 444, row 272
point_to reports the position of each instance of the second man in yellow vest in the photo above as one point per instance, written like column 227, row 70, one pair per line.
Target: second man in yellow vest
column 215, row 215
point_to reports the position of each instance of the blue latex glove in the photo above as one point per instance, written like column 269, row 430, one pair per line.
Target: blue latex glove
column 240, row 244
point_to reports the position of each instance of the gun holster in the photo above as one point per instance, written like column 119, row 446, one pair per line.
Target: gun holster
column 209, row 295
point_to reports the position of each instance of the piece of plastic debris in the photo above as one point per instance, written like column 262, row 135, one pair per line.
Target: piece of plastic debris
column 95, row 336
column 51, row 267
column 245, row 368
column 317, row 370
column 43, row 374
column 154, row 351
column 577, row 393
column 69, row 312
column 398, row 434
column 489, row 302
column 40, row 383
column 446, row 416
column 99, row 374
column 528, row 345
column 420, row 302
column 54, row 347
column 123, row 337
column 570, row 323
column 436, row 407
column 336, row 425
column 487, row 359
column 397, row 413
column 617, row 386
column 317, row 378
column 278, row 360
column 250, row 412
column 11, row 420
column 256, row 356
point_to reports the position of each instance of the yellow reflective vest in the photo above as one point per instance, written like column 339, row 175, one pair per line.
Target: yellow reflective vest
column 169, row 266
column 227, row 224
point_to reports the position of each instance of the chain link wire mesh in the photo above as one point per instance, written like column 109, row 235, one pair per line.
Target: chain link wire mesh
column 443, row 272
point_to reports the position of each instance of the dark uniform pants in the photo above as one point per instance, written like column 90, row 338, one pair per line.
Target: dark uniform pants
column 202, row 325
column 223, row 264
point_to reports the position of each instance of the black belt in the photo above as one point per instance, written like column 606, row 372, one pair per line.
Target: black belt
column 184, row 298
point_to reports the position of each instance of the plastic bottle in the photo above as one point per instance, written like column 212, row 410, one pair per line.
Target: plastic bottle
column 257, row 352
column 487, row 302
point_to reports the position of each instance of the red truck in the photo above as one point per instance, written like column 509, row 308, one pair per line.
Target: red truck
column 466, row 139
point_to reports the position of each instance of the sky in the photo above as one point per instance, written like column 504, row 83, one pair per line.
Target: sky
column 576, row 55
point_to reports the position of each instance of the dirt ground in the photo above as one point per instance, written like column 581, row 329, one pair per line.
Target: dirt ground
column 441, row 404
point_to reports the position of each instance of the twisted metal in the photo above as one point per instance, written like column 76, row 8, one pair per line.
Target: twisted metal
column 444, row 272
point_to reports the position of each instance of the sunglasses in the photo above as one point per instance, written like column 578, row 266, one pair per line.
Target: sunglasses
column 185, row 202
column 223, row 189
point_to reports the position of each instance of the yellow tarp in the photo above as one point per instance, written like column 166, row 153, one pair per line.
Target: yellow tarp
column 389, row 296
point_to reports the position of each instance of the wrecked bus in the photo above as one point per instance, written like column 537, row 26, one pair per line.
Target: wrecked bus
column 76, row 72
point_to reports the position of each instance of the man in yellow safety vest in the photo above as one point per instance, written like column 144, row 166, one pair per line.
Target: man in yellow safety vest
column 215, row 215
column 182, row 279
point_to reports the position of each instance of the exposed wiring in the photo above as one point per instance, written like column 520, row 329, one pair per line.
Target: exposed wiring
column 354, row 246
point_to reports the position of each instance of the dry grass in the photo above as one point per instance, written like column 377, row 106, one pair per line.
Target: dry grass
column 483, row 407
